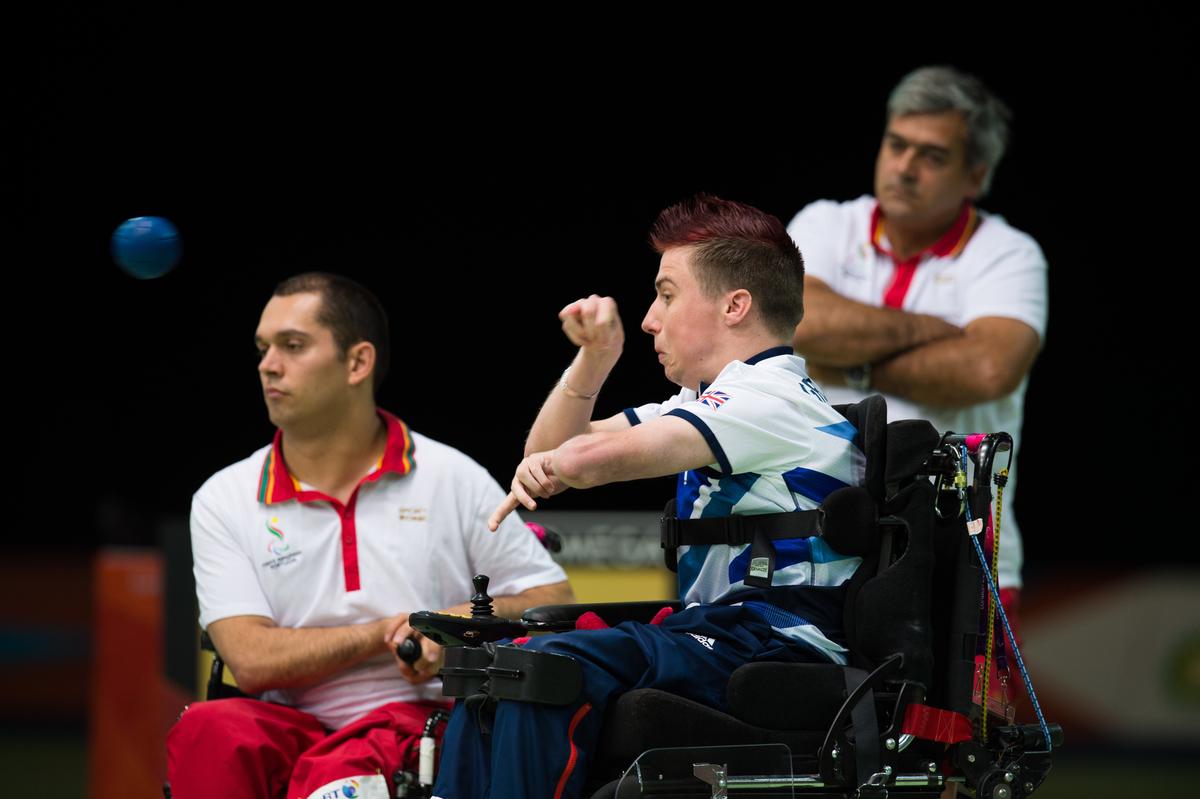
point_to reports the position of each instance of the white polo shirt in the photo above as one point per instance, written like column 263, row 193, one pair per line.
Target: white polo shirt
column 408, row 539
column 981, row 267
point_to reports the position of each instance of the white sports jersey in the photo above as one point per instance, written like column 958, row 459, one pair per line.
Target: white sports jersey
column 780, row 447
column 981, row 267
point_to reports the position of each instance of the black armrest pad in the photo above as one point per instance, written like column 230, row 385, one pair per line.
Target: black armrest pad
column 613, row 613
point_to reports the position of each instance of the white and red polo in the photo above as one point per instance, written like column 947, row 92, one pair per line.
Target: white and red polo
column 408, row 539
column 981, row 267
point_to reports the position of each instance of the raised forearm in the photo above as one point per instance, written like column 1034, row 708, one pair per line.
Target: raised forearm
column 566, row 414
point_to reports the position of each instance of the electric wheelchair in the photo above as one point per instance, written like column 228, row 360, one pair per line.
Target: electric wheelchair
column 898, row 720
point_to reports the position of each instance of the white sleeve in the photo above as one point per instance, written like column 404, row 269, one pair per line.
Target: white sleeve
column 1011, row 284
column 653, row 410
column 747, row 428
column 226, row 581
column 512, row 557
column 816, row 230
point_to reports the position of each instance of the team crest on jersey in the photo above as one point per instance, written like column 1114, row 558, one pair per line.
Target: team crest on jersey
column 714, row 399
column 278, row 547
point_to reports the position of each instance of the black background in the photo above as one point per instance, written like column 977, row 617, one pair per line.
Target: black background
column 479, row 172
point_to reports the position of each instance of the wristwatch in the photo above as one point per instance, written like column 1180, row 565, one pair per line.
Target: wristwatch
column 859, row 377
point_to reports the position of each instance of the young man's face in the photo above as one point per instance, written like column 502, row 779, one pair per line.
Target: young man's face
column 685, row 322
column 302, row 373
column 921, row 173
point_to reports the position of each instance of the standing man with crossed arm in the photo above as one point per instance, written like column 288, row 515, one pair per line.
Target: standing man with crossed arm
column 918, row 294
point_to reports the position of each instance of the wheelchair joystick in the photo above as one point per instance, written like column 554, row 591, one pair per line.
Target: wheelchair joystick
column 481, row 603
column 482, row 626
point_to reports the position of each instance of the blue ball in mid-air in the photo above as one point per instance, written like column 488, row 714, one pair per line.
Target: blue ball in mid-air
column 146, row 246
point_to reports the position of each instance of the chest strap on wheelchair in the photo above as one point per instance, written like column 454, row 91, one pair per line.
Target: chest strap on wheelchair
column 758, row 531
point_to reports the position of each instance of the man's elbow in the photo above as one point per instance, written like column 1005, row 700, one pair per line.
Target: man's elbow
column 250, row 678
column 995, row 380
column 578, row 463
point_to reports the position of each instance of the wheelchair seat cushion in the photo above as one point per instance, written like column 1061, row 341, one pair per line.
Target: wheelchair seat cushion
column 786, row 696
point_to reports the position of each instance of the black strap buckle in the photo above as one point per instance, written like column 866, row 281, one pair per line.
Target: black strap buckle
column 670, row 532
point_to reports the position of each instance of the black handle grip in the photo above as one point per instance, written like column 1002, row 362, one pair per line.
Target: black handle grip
column 409, row 651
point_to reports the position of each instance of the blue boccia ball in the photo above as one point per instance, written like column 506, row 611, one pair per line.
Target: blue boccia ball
column 146, row 246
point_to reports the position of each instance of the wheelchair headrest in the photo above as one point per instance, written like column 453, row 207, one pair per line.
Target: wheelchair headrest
column 848, row 522
column 909, row 444
column 869, row 417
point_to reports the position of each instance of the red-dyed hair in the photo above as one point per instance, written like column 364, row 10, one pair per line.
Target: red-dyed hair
column 737, row 246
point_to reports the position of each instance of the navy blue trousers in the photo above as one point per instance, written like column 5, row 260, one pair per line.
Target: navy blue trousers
column 538, row 751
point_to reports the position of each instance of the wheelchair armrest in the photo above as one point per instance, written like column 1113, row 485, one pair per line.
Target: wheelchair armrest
column 562, row 617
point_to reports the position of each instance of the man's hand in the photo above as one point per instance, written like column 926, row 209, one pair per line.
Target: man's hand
column 595, row 325
column 397, row 631
column 534, row 478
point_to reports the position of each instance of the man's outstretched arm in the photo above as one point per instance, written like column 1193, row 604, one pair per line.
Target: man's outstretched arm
column 662, row 446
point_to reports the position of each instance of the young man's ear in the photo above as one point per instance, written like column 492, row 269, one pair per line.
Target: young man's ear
column 360, row 362
column 737, row 306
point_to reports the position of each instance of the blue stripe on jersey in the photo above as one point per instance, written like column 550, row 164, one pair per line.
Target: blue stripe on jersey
column 713, row 444
column 822, row 552
column 689, row 567
column 730, row 491
column 788, row 552
column 687, row 490
column 841, row 430
column 632, row 416
column 812, row 484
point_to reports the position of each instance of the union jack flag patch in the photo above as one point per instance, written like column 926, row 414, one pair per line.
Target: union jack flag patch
column 714, row 399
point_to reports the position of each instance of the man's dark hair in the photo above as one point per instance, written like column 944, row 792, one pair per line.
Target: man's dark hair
column 350, row 311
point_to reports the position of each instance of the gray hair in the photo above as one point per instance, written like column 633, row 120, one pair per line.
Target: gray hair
column 931, row 90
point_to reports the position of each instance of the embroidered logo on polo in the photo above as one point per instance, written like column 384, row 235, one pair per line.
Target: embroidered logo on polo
column 714, row 399
column 704, row 640
column 277, row 546
column 413, row 514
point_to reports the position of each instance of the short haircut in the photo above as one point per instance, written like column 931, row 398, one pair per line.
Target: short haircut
column 350, row 311
column 737, row 246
